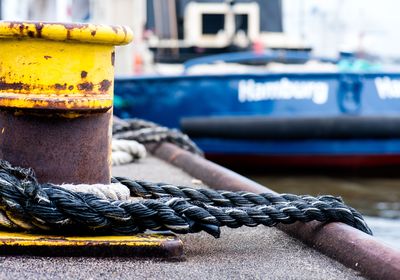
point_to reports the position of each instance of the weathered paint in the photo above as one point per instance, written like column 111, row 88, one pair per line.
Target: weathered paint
column 49, row 74
column 150, row 245
column 56, row 96
column 58, row 66
column 59, row 149
column 75, row 32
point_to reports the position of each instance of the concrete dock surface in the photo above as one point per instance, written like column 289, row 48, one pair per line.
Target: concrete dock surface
column 244, row 253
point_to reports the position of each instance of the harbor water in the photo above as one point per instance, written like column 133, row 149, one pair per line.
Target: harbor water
column 378, row 199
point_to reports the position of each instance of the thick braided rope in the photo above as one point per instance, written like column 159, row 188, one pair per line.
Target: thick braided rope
column 148, row 132
column 313, row 207
column 114, row 191
column 31, row 206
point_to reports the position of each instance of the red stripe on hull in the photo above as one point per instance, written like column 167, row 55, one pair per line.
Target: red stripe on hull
column 390, row 163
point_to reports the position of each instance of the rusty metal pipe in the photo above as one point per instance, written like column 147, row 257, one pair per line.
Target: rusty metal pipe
column 341, row 242
column 56, row 95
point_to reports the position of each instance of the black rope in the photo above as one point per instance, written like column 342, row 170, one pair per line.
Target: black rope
column 35, row 206
column 148, row 132
column 305, row 208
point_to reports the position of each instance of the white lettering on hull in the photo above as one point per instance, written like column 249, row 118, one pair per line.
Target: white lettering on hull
column 387, row 88
column 284, row 89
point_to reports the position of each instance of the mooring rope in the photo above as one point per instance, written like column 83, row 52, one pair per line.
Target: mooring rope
column 148, row 132
column 126, row 151
column 115, row 191
column 29, row 205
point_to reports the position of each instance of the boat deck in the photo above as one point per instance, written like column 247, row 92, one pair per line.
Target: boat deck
column 245, row 253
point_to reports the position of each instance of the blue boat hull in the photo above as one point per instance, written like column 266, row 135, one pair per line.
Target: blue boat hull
column 169, row 100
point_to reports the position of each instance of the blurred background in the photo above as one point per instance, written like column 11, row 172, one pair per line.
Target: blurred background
column 327, row 27
column 302, row 96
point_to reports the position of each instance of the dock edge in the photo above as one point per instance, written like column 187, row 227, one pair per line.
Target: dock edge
column 351, row 247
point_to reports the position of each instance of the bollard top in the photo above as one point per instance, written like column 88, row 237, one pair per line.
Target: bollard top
column 76, row 32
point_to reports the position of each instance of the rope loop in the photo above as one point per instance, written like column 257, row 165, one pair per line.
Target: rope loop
column 28, row 205
column 148, row 132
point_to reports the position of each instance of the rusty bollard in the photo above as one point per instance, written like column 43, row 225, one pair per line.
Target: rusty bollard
column 56, row 94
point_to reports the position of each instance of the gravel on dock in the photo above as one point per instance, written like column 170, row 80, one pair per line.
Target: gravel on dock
column 245, row 253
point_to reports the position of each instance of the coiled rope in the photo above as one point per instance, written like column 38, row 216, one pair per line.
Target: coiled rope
column 130, row 135
column 148, row 132
column 126, row 151
column 28, row 205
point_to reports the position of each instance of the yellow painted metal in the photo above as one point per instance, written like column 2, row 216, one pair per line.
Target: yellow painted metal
column 25, row 239
column 58, row 66
column 78, row 32
column 139, row 245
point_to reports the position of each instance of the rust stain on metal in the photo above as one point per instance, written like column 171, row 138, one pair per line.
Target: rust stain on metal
column 72, row 26
column 165, row 246
column 12, row 86
column 21, row 29
column 67, row 31
column 65, row 120
column 341, row 242
column 86, row 86
column 84, row 74
column 71, row 150
column 39, row 27
column 113, row 58
column 105, row 85
column 11, row 24
column 60, row 87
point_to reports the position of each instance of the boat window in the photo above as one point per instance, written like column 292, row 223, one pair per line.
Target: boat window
column 212, row 23
column 241, row 22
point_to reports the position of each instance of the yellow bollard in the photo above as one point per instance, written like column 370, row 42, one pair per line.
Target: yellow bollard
column 56, row 95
